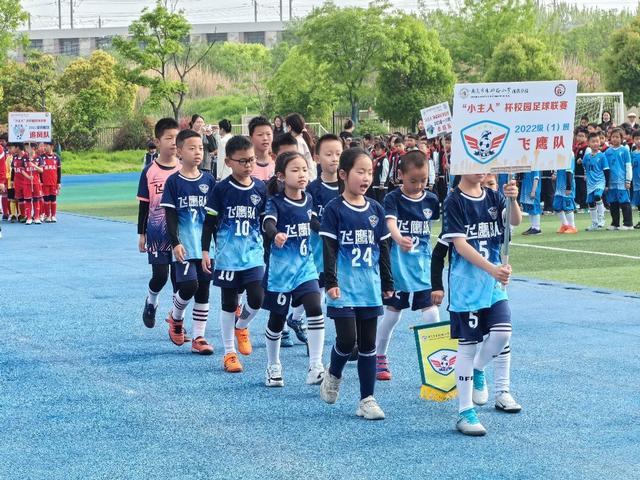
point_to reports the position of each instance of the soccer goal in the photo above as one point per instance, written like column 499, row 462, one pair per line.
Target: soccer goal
column 593, row 104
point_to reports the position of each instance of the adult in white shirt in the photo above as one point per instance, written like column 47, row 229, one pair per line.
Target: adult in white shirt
column 295, row 124
column 223, row 137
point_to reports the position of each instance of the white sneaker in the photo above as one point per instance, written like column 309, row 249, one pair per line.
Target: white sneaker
column 369, row 409
column 469, row 424
column 273, row 376
column 330, row 386
column 28, row 222
column 612, row 228
column 480, row 394
column 47, row 220
column 594, row 227
column 38, row 222
column 315, row 374
column 53, row 220
column 625, row 228
column 506, row 403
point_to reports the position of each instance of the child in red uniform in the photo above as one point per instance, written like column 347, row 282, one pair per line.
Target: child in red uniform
column 35, row 170
column 51, row 179
column 21, row 181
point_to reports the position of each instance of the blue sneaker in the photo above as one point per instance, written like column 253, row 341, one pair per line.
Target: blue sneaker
column 469, row 424
column 286, row 341
column 299, row 328
column 149, row 315
column 480, row 394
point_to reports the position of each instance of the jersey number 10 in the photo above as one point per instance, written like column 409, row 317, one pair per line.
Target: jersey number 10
column 242, row 228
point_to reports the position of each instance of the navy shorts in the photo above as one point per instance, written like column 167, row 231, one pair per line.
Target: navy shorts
column 473, row 326
column 400, row 300
column 355, row 313
column 159, row 258
column 278, row 302
column 616, row 195
column 189, row 271
column 239, row 279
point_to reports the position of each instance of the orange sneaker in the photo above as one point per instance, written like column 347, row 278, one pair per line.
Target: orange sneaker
column 201, row 346
column 571, row 229
column 176, row 332
column 232, row 363
column 562, row 229
column 244, row 342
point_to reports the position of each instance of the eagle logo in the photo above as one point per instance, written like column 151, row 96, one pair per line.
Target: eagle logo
column 204, row 188
column 484, row 141
column 428, row 213
column 493, row 212
column 255, row 199
column 443, row 361
column 373, row 220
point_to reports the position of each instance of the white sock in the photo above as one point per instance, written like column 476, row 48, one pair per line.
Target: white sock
column 535, row 221
column 502, row 370
column 464, row 375
column 273, row 346
column 152, row 298
column 431, row 315
column 492, row 345
column 385, row 328
column 200, row 315
column 600, row 210
column 227, row 325
column 315, row 335
column 562, row 217
column 179, row 306
column 297, row 312
column 247, row 315
column 571, row 218
column 594, row 215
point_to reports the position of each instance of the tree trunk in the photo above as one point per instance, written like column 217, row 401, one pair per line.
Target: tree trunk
column 354, row 111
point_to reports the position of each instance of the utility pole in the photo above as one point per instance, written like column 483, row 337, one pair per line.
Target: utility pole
column 99, row 22
column 255, row 11
column 280, row 10
column 71, row 12
column 28, row 21
column 290, row 9
column 60, row 14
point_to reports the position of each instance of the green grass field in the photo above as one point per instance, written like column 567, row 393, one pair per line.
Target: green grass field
column 101, row 162
column 117, row 200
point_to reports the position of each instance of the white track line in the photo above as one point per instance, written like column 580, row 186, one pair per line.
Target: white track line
column 556, row 249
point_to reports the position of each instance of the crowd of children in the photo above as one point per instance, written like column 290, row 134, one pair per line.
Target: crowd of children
column 30, row 176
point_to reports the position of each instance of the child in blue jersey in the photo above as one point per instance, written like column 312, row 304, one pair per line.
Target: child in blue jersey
column 234, row 212
column 478, row 306
column 409, row 211
column 620, row 176
column 184, row 198
column 530, row 200
column 596, row 170
column 357, row 276
column 291, row 276
column 564, row 199
column 635, row 166
column 152, row 226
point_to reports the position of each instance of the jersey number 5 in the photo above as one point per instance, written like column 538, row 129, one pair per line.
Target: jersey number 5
column 473, row 319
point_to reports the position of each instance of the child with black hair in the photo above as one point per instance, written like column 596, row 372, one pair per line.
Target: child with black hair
column 596, row 167
column 620, row 176
column 261, row 135
column 580, row 149
column 291, row 276
column 380, row 156
column 151, row 154
column 357, row 278
column 51, row 181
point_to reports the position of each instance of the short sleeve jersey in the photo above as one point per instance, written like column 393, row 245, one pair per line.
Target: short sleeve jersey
column 188, row 196
column 239, row 208
column 618, row 159
column 527, row 186
column 479, row 221
column 292, row 264
column 358, row 231
column 150, row 189
column 635, row 163
column 594, row 167
column 412, row 270
column 322, row 193
column 50, row 164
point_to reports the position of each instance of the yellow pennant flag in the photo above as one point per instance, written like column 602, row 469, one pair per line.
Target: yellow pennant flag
column 437, row 353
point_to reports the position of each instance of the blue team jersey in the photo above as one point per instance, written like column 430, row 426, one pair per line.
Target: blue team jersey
column 412, row 270
column 479, row 221
column 618, row 159
column 292, row 265
column 635, row 163
column 239, row 241
column 527, row 187
column 594, row 166
column 188, row 196
column 358, row 231
column 561, row 181
column 322, row 193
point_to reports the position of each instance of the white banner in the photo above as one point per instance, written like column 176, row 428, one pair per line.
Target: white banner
column 511, row 127
column 28, row 127
column 437, row 119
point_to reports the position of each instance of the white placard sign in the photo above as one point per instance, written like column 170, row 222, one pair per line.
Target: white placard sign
column 437, row 119
column 27, row 127
column 511, row 127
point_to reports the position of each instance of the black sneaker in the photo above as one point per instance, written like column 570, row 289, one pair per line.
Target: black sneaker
column 299, row 328
column 637, row 226
column 528, row 231
column 534, row 231
column 149, row 315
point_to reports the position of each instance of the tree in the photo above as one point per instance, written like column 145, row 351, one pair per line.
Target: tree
column 351, row 41
column 11, row 17
column 622, row 67
column 522, row 58
column 160, row 49
column 249, row 66
column 417, row 75
column 301, row 85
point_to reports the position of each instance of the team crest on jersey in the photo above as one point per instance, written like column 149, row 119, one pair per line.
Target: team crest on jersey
column 443, row 361
column 255, row 199
column 484, row 140
column 373, row 220
column 493, row 211
column 204, row 188
column 428, row 213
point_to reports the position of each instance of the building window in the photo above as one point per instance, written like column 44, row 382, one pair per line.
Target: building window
column 254, row 37
column 103, row 43
column 36, row 44
column 216, row 37
column 70, row 46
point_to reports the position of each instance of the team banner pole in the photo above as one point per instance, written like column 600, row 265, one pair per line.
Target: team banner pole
column 437, row 353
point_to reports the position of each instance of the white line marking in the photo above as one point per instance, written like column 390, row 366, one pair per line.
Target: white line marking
column 556, row 249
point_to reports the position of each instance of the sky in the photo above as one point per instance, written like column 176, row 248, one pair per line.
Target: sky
column 44, row 13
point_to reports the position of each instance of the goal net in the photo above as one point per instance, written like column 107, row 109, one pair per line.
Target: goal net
column 593, row 105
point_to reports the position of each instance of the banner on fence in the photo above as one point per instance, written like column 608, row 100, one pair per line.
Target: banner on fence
column 512, row 127
column 437, row 119
column 26, row 127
